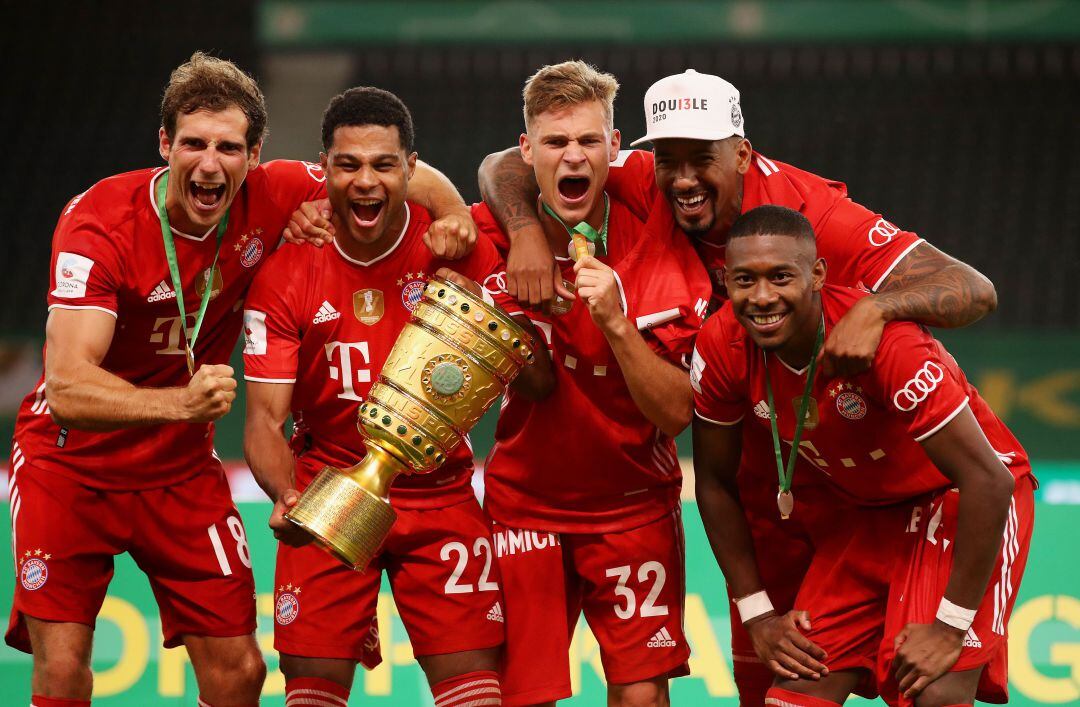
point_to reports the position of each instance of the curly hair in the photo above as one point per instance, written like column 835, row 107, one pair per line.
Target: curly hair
column 367, row 105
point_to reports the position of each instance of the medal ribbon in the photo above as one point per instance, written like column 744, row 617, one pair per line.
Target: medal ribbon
column 597, row 238
column 786, row 472
column 190, row 335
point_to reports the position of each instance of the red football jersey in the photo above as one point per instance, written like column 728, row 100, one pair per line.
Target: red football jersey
column 862, row 432
column 108, row 255
column 861, row 247
column 326, row 322
column 585, row 459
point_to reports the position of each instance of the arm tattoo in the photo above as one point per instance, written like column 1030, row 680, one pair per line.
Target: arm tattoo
column 508, row 186
column 932, row 288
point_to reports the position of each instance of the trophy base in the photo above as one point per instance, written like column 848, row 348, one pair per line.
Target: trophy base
column 347, row 519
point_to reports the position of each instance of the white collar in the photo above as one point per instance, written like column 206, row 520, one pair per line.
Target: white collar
column 401, row 236
column 153, row 204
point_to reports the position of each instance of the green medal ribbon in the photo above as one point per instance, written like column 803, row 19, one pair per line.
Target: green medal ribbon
column 784, row 499
column 190, row 335
column 597, row 238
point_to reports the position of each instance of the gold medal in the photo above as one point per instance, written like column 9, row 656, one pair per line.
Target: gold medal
column 579, row 245
column 785, row 501
column 189, row 355
column 810, row 420
column 562, row 306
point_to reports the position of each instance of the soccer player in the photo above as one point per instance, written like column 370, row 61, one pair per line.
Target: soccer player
column 319, row 324
column 913, row 590
column 113, row 449
column 583, row 486
column 701, row 175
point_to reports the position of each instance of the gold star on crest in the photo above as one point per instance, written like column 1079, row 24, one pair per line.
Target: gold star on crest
column 46, row 557
column 400, row 283
column 296, row 591
column 244, row 238
column 420, row 275
column 289, row 587
column 27, row 553
column 280, row 589
column 258, row 231
column 237, row 247
column 37, row 553
column 408, row 276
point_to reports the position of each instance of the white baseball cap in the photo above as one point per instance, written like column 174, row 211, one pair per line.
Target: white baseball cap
column 692, row 105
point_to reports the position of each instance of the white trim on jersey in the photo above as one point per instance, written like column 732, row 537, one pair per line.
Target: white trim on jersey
column 41, row 403
column 1004, row 588
column 622, row 293
column 647, row 321
column 253, row 379
column 766, row 165
column 153, row 204
column 719, row 422
column 401, row 236
column 896, row 262
column 84, row 306
column 947, row 420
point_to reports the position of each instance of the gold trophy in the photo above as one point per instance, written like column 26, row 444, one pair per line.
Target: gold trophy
column 453, row 358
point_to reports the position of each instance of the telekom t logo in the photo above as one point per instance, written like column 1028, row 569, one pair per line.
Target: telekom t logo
column 167, row 331
column 345, row 368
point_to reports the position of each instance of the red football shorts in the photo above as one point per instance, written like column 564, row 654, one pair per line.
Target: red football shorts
column 187, row 538
column 883, row 568
column 442, row 571
column 630, row 586
column 917, row 589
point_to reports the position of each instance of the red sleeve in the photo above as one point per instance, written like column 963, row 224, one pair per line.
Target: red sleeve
column 632, row 180
column 861, row 247
column 718, row 373
column 272, row 315
column 917, row 379
column 87, row 268
column 293, row 182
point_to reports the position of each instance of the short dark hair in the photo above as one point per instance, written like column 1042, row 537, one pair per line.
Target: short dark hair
column 205, row 82
column 771, row 220
column 367, row 105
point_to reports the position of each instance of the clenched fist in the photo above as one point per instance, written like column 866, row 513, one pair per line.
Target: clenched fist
column 460, row 280
column 451, row 237
column 209, row 395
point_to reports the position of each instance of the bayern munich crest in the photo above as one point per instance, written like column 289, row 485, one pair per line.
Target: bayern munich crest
column 251, row 253
column 34, row 572
column 851, row 405
column 287, row 606
column 411, row 294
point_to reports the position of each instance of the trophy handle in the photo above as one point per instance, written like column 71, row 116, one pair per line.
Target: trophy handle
column 347, row 510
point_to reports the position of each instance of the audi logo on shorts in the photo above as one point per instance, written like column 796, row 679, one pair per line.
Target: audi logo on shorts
column 882, row 232
column 916, row 389
column 495, row 283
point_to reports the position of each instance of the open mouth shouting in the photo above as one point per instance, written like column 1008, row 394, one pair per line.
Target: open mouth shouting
column 366, row 211
column 206, row 196
column 574, row 190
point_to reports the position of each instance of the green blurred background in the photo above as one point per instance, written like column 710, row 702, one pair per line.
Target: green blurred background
column 956, row 119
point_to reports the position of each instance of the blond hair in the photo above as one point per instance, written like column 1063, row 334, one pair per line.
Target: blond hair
column 205, row 82
column 559, row 86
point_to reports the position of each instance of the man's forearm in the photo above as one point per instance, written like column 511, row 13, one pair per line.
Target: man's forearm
column 433, row 190
column 729, row 536
column 982, row 514
column 932, row 288
column 87, row 397
column 269, row 456
column 508, row 187
column 660, row 390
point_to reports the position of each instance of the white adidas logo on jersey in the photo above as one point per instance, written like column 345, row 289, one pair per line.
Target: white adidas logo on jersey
column 762, row 410
column 661, row 639
column 971, row 640
column 326, row 313
column 161, row 292
column 496, row 614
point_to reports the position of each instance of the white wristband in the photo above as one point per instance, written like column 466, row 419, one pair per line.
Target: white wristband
column 753, row 605
column 956, row 616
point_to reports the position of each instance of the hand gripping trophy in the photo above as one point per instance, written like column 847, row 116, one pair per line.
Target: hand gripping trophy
column 452, row 360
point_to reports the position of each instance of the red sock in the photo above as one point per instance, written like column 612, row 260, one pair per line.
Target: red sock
column 39, row 701
column 777, row 697
column 480, row 687
column 315, row 692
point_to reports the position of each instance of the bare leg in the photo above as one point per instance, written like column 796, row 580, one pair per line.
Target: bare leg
column 230, row 671
column 644, row 693
column 61, row 659
column 834, row 687
column 338, row 671
column 951, row 689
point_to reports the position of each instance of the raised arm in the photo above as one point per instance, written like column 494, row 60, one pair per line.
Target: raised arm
column 962, row 453
column 83, row 395
column 777, row 639
column 508, row 187
column 926, row 286
column 269, row 456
